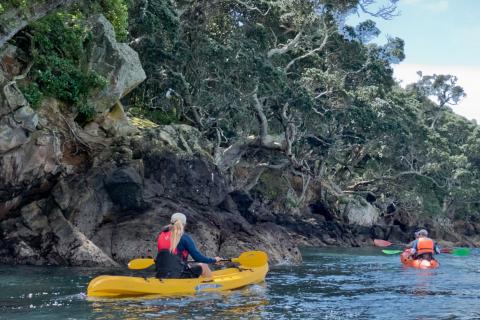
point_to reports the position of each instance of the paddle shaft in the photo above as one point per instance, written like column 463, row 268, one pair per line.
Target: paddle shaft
column 193, row 261
column 385, row 243
column 221, row 260
column 456, row 252
column 151, row 261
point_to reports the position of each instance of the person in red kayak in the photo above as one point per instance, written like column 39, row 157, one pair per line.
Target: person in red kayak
column 423, row 247
column 174, row 246
column 411, row 243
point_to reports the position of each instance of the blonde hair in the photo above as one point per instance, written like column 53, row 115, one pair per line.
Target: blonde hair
column 176, row 229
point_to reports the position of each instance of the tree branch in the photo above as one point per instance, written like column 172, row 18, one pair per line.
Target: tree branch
column 384, row 12
column 308, row 54
column 286, row 47
column 253, row 8
column 355, row 186
column 261, row 116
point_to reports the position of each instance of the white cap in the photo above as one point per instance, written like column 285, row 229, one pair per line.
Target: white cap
column 178, row 217
column 422, row 232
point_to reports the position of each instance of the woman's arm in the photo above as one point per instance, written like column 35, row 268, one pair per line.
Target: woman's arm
column 189, row 245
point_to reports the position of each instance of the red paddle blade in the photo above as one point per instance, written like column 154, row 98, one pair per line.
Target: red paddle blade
column 446, row 250
column 381, row 243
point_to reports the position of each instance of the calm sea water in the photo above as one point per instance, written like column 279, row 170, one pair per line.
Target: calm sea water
column 331, row 284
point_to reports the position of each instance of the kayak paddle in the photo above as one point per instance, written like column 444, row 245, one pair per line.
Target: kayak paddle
column 385, row 243
column 247, row 259
column 392, row 251
column 461, row 252
column 140, row 263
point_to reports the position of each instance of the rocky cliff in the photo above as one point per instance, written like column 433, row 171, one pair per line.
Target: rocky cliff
column 99, row 195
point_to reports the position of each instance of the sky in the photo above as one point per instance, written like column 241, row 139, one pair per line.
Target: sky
column 441, row 37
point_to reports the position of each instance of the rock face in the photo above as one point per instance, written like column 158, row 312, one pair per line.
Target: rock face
column 116, row 62
column 99, row 195
column 29, row 155
column 114, row 211
column 361, row 213
column 41, row 235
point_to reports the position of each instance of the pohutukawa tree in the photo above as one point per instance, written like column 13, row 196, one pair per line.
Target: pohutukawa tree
column 286, row 85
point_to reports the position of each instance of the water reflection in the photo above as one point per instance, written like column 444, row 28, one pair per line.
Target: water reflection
column 247, row 303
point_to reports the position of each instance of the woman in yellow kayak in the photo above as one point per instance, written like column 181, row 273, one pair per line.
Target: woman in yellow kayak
column 174, row 246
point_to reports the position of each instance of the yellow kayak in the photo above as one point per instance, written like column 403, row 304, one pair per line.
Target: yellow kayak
column 225, row 279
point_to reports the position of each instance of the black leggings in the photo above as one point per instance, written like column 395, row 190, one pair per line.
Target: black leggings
column 192, row 271
column 170, row 266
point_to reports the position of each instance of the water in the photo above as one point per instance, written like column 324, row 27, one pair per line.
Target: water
column 331, row 284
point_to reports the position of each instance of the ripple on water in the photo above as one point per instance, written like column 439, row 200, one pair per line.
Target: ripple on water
column 331, row 284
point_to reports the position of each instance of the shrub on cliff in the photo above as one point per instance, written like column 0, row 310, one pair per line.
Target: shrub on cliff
column 58, row 47
column 116, row 11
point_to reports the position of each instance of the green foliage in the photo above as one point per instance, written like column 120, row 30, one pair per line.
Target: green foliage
column 443, row 87
column 22, row 4
column 59, row 43
column 207, row 61
column 154, row 31
column 157, row 116
column 60, row 78
column 60, row 34
column 86, row 113
column 431, row 205
column 272, row 186
column 33, row 95
column 116, row 11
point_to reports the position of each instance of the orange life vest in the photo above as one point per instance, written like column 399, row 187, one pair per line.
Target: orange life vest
column 425, row 245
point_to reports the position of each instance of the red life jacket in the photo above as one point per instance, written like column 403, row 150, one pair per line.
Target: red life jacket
column 425, row 245
column 163, row 243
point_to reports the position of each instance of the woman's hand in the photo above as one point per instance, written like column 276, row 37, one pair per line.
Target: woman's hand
column 218, row 260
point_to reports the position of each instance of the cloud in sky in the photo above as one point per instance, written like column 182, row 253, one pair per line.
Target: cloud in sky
column 468, row 78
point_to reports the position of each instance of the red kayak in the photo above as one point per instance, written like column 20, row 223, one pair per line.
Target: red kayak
column 418, row 263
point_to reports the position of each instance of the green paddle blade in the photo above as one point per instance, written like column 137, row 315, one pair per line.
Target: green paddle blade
column 392, row 251
column 461, row 252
